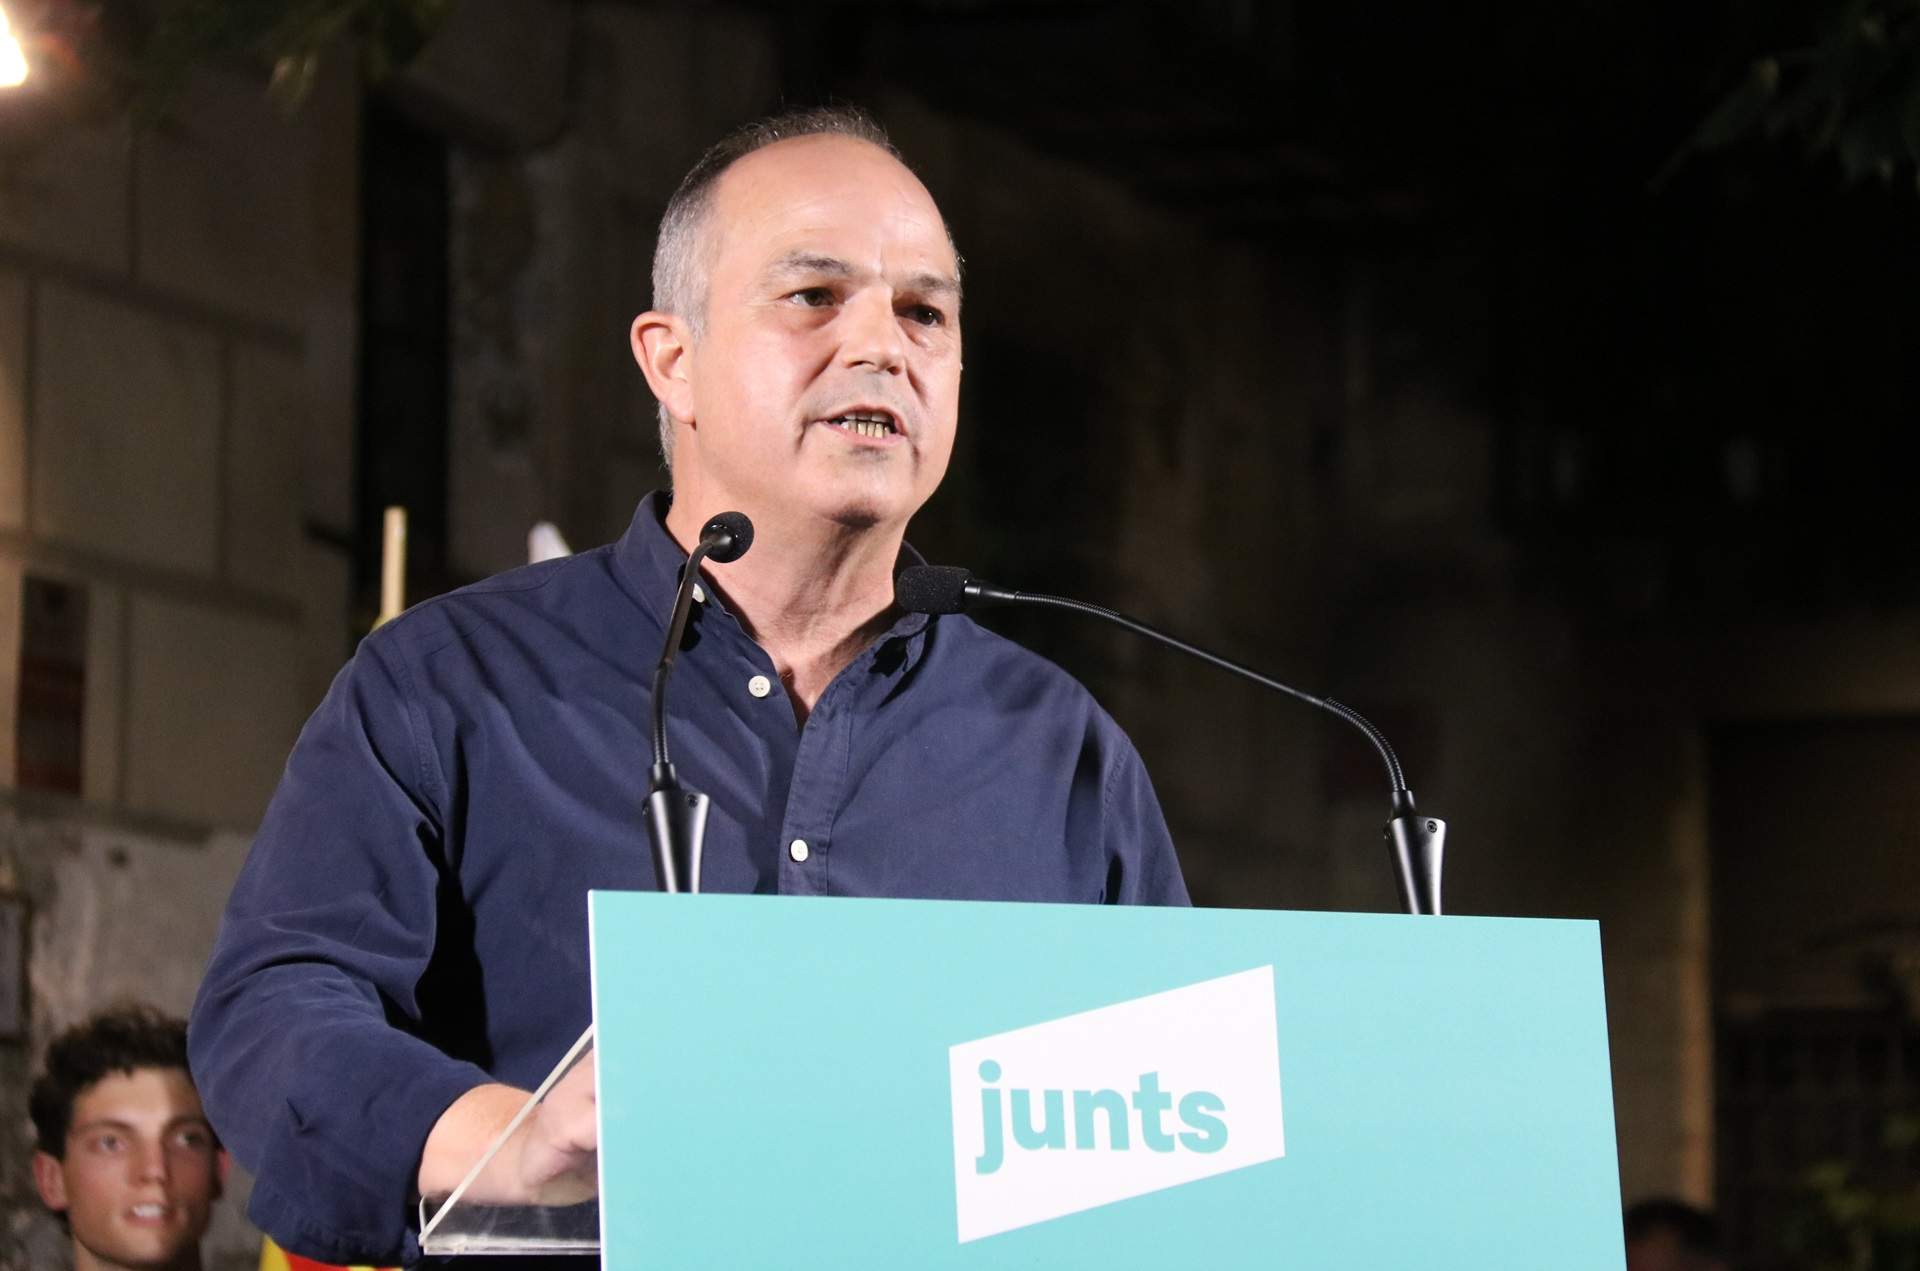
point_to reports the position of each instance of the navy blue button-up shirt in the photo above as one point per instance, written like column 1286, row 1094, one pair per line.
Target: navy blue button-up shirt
column 411, row 921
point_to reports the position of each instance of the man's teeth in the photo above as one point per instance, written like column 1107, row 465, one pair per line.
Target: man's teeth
column 866, row 425
column 149, row 1211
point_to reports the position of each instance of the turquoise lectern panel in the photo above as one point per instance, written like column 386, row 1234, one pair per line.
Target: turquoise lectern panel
column 790, row 1082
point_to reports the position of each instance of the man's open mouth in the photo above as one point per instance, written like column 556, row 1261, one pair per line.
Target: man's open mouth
column 865, row 423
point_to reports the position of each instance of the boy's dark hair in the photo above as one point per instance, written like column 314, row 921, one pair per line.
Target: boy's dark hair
column 120, row 1039
column 1694, row 1228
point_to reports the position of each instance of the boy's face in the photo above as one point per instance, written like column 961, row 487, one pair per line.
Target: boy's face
column 140, row 1175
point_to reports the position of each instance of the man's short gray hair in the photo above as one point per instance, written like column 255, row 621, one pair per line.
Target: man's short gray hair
column 683, row 252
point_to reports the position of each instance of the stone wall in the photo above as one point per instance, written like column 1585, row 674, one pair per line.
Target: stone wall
column 177, row 342
column 552, row 247
column 120, row 910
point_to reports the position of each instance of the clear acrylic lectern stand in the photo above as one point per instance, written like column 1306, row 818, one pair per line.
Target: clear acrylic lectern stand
column 463, row 1223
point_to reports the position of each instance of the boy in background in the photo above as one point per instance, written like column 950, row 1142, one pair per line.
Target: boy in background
column 126, row 1158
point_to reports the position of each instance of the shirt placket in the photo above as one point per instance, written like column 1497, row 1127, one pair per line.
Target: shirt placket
column 818, row 790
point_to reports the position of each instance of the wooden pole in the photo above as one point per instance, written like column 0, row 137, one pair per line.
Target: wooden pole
column 393, row 566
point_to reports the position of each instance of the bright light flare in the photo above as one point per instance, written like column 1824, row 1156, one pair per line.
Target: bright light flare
column 13, row 60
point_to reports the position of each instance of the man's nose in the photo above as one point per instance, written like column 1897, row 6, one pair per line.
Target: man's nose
column 873, row 336
column 150, row 1162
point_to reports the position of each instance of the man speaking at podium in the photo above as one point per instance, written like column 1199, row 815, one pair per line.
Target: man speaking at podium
column 405, row 953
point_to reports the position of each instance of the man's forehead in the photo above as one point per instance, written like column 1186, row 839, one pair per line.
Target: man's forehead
column 825, row 156
column 166, row 1090
column 789, row 198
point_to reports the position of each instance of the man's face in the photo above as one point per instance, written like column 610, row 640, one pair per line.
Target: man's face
column 140, row 1175
column 832, row 290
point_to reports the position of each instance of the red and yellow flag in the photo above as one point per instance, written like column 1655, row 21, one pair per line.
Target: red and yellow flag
column 274, row 1258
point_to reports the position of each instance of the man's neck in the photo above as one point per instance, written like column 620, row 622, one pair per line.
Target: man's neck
column 814, row 594
column 85, row 1259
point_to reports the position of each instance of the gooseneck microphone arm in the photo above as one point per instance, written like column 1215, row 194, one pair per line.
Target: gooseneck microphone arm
column 1418, row 842
column 1380, row 744
column 677, row 814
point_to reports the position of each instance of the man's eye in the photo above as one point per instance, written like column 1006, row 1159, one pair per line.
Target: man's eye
column 812, row 297
column 106, row 1143
column 925, row 315
column 193, row 1138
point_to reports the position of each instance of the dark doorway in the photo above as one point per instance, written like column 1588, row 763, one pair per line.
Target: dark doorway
column 402, row 441
column 1816, row 949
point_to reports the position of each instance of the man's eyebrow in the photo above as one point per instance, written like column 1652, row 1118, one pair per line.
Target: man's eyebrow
column 931, row 284
column 100, row 1123
column 809, row 263
column 816, row 265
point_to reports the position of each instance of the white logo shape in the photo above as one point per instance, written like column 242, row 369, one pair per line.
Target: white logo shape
column 1114, row 1103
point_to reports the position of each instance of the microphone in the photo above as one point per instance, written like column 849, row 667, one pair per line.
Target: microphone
column 677, row 814
column 942, row 589
column 727, row 537
column 1419, row 843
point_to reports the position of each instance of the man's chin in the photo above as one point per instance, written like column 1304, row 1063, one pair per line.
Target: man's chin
column 858, row 519
column 140, row 1252
column 155, row 1247
column 862, row 510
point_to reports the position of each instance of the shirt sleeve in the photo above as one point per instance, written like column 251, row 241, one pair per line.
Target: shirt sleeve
column 306, row 1039
column 1142, row 868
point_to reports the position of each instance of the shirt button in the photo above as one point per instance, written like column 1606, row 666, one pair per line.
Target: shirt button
column 798, row 850
column 698, row 594
column 759, row 686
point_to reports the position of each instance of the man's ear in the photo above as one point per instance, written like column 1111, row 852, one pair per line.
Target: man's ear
column 222, row 1162
column 663, row 346
column 50, row 1179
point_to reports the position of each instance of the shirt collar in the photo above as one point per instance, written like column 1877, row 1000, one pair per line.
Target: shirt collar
column 650, row 561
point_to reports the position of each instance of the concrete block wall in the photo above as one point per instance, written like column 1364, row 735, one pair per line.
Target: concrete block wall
column 113, row 906
column 552, row 252
column 67, row 197
column 178, row 334
column 126, row 434
column 176, row 320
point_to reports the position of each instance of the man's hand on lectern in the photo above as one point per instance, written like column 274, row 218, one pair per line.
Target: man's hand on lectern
column 552, row 1158
column 560, row 1143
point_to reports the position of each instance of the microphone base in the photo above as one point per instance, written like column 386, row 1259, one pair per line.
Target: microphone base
column 1419, row 846
column 677, row 824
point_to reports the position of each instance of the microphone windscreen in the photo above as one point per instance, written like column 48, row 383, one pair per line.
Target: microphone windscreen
column 931, row 588
column 734, row 533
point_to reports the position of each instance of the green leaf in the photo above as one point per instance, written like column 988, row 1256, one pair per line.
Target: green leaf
column 291, row 36
column 1741, row 110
